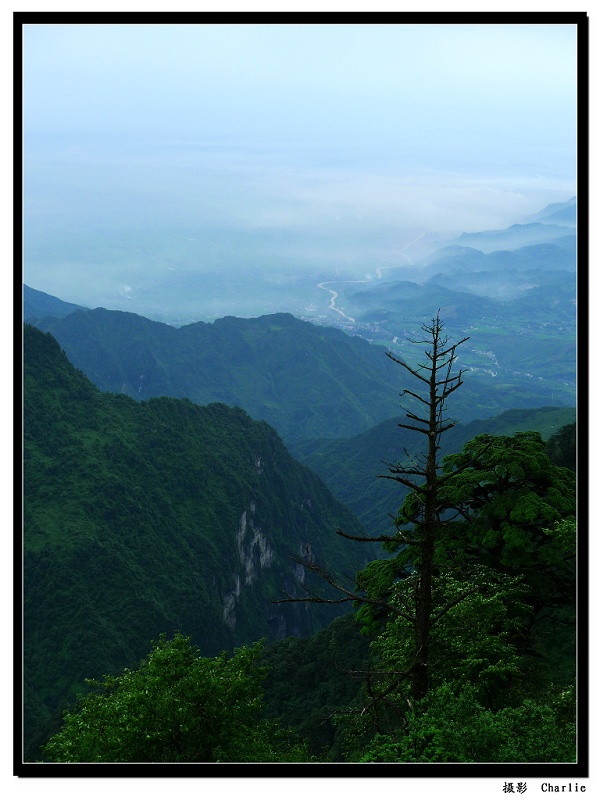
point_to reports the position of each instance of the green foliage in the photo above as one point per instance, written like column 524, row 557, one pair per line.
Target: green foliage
column 177, row 707
column 476, row 620
column 452, row 725
column 478, row 623
column 310, row 678
column 502, row 504
column 142, row 517
column 510, row 498
column 350, row 466
column 562, row 447
column 155, row 516
column 306, row 380
column 504, row 575
column 303, row 379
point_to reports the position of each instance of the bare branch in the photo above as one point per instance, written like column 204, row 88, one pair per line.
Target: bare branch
column 397, row 469
column 454, row 346
column 413, row 394
column 349, row 595
column 410, row 369
column 446, row 427
column 405, row 540
column 452, row 389
column 445, row 381
column 403, row 481
column 312, row 599
column 382, row 538
column 410, row 415
column 413, row 428
column 419, row 469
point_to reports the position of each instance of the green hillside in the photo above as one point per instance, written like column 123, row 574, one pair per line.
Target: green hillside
column 350, row 466
column 152, row 517
column 305, row 380
column 302, row 379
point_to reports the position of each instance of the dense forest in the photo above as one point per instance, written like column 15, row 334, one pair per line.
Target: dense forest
column 209, row 599
column 307, row 381
column 148, row 518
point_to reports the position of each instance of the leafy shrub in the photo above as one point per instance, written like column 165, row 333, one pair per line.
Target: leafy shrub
column 177, row 707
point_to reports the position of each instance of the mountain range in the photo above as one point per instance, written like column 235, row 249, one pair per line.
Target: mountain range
column 303, row 379
column 310, row 381
column 39, row 304
column 557, row 213
column 142, row 518
column 512, row 292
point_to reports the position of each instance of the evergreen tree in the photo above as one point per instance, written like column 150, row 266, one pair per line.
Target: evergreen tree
column 436, row 373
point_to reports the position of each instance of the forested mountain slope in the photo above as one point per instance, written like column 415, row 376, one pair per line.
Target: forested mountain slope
column 521, row 350
column 302, row 379
column 513, row 292
column 307, row 381
column 351, row 466
column 143, row 518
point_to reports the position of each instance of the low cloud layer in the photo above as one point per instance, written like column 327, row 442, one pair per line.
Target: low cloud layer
column 203, row 148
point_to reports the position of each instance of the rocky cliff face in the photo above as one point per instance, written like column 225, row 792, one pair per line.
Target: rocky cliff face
column 255, row 554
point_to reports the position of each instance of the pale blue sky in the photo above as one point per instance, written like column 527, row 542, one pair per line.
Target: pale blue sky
column 310, row 146
column 496, row 91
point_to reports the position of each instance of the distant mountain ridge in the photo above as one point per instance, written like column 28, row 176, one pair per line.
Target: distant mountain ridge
column 513, row 292
column 514, row 237
column 558, row 213
column 37, row 305
column 302, row 379
column 559, row 254
column 514, row 299
column 305, row 380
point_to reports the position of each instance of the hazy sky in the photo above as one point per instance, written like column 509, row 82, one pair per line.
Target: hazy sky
column 496, row 91
column 291, row 128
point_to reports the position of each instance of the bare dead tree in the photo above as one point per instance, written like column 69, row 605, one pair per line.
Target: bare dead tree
column 436, row 373
column 421, row 474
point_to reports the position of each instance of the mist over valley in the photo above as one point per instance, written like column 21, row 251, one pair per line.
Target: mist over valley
column 217, row 231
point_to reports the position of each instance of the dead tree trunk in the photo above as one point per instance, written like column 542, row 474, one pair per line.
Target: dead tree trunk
column 436, row 373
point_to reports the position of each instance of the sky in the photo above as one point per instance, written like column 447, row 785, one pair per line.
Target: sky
column 330, row 145
column 498, row 90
